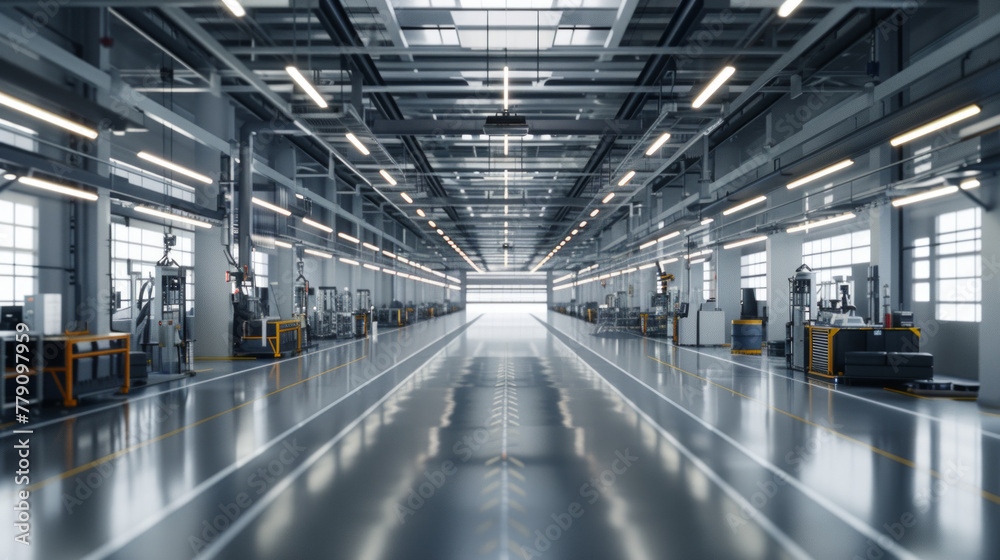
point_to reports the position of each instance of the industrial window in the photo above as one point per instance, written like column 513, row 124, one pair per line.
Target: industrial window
column 708, row 281
column 18, row 136
column 141, row 244
column 753, row 273
column 958, row 281
column 18, row 248
column 834, row 256
column 922, row 270
column 505, row 293
column 260, row 268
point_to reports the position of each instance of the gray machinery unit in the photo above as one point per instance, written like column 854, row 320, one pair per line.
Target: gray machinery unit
column 345, row 314
column 363, row 314
column 801, row 310
column 325, row 323
column 172, row 351
column 303, row 308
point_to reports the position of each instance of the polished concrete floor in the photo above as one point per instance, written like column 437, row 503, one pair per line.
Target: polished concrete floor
column 505, row 437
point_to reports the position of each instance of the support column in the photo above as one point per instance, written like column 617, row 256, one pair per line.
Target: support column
column 727, row 285
column 784, row 255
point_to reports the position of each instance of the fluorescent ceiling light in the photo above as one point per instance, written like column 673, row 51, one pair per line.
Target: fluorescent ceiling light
column 670, row 261
column 387, row 271
column 440, row 232
column 970, row 184
column 629, row 270
column 9, row 176
column 574, row 232
column 402, row 275
column 406, row 197
column 350, row 238
column 714, row 86
column 173, row 217
column 348, row 261
column 357, row 143
column 61, row 189
column 370, row 246
column 306, row 86
column 235, row 7
column 925, row 196
column 402, row 260
column 371, row 267
column 645, row 266
column 745, row 205
column 809, row 225
column 283, row 244
column 757, row 239
column 707, row 221
column 506, row 144
column 658, row 144
column 595, row 212
column 697, row 261
column 421, row 213
column 317, row 225
column 42, row 114
column 506, row 78
column 668, row 236
column 647, row 244
column 628, row 177
column 388, row 254
column 936, row 125
column 18, row 128
column 388, row 178
column 583, row 223
column 318, row 253
column 568, row 237
column 174, row 167
column 432, row 224
column 608, row 198
column 788, row 7
column 269, row 206
column 171, row 126
column 821, row 173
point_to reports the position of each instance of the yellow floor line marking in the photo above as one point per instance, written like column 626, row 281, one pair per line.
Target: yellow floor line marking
column 202, row 370
column 492, row 460
column 928, row 398
column 514, row 504
column 520, row 528
column 490, row 505
column 517, row 489
column 491, row 487
column 989, row 414
column 492, row 472
column 987, row 495
column 488, row 547
column 518, row 475
column 516, row 462
column 127, row 450
column 484, row 526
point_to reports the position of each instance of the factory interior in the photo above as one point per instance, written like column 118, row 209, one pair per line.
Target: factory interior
column 500, row 279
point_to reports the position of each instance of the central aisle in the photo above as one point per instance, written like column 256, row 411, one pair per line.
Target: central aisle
column 504, row 445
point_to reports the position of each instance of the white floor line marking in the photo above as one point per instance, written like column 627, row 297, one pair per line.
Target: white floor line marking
column 129, row 400
column 793, row 378
column 111, row 547
column 258, row 507
column 820, row 500
column 763, row 521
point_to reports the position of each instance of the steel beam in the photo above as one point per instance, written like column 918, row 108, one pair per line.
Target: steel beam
column 455, row 127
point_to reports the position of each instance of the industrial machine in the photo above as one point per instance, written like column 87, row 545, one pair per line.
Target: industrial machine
column 254, row 332
column 345, row 314
column 324, row 323
column 659, row 322
column 748, row 331
column 302, row 309
column 838, row 345
column 801, row 311
column 837, row 307
column 363, row 313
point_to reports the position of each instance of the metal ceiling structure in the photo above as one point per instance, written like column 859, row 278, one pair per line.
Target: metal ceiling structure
column 597, row 80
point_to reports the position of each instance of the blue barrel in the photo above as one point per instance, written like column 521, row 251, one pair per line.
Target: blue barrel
column 748, row 336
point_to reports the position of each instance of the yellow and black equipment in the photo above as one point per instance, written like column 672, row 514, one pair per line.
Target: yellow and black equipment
column 867, row 353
